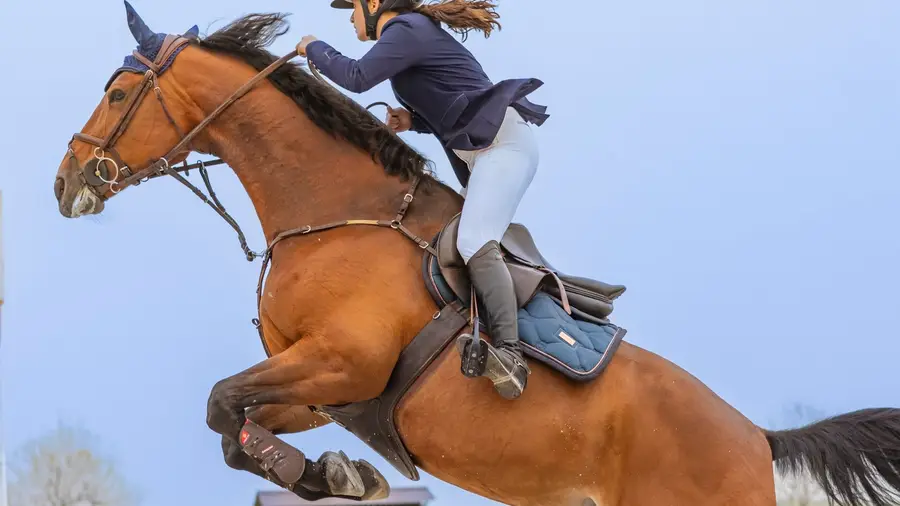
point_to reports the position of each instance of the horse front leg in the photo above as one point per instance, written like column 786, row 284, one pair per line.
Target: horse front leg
column 311, row 372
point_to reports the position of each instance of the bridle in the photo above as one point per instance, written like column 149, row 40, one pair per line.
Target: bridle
column 95, row 174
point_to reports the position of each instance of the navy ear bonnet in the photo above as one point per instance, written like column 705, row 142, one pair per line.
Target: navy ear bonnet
column 149, row 44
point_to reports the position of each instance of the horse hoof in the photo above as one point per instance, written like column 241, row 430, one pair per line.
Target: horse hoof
column 341, row 475
column 376, row 486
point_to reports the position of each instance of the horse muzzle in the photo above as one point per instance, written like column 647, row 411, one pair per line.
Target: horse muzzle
column 74, row 195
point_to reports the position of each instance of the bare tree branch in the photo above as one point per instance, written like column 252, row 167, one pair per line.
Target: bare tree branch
column 63, row 469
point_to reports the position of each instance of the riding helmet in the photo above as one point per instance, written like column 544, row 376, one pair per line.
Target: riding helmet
column 372, row 17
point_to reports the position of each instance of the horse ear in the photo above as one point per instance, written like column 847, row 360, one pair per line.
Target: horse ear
column 193, row 33
column 141, row 32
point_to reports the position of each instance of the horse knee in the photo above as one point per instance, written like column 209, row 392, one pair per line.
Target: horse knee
column 221, row 414
column 214, row 405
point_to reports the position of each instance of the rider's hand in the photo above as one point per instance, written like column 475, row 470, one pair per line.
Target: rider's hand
column 305, row 41
column 398, row 120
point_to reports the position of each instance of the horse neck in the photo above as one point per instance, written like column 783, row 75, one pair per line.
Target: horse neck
column 294, row 173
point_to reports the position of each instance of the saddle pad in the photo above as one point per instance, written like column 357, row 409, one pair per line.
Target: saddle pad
column 577, row 346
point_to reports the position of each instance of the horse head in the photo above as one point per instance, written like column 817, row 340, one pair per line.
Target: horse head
column 177, row 94
column 125, row 134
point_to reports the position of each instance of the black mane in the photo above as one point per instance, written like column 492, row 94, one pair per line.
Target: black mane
column 335, row 113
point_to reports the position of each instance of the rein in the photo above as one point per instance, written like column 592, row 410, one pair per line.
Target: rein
column 95, row 174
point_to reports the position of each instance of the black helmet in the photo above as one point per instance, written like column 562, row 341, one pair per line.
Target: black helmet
column 372, row 17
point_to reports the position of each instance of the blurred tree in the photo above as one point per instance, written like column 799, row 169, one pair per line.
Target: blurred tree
column 62, row 468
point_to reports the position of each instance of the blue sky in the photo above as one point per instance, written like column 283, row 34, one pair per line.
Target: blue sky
column 734, row 164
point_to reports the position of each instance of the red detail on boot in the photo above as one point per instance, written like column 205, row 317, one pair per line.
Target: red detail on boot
column 244, row 437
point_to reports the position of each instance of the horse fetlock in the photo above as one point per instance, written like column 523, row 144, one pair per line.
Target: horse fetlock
column 342, row 476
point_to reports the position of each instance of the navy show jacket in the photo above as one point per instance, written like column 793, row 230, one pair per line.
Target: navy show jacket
column 437, row 79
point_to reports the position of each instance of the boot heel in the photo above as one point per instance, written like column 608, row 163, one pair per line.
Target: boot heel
column 473, row 355
column 507, row 373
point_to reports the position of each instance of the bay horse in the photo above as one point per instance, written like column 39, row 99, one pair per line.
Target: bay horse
column 352, row 210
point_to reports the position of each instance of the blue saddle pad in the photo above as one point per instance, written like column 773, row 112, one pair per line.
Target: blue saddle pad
column 577, row 345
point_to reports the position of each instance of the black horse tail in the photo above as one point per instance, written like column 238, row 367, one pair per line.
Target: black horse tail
column 854, row 457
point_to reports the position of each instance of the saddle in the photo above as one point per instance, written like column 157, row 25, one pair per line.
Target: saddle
column 537, row 284
column 530, row 271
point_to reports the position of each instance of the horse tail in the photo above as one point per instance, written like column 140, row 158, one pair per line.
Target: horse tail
column 854, row 457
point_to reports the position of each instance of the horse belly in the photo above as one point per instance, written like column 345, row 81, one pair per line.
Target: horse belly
column 547, row 447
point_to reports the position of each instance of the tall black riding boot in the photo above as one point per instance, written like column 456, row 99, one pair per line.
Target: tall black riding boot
column 503, row 363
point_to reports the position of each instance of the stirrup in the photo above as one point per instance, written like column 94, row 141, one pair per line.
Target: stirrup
column 472, row 349
column 480, row 359
column 473, row 353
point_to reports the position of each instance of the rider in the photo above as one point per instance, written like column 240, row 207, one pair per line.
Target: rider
column 482, row 126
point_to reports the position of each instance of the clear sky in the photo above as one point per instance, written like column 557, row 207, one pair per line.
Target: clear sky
column 735, row 164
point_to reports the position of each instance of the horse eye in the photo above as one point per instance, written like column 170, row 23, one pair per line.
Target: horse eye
column 116, row 95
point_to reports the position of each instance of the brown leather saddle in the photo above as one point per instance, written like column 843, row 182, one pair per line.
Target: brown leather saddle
column 530, row 272
column 372, row 421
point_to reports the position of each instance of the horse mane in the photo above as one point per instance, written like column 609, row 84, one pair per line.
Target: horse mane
column 334, row 112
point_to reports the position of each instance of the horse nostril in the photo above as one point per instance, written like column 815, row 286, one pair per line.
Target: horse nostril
column 58, row 188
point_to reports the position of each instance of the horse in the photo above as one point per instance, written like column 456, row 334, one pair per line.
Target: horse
column 354, row 335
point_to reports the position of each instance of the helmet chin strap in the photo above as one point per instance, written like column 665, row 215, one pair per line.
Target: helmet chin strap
column 371, row 19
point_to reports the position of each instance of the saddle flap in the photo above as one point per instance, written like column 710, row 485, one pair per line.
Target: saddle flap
column 518, row 242
column 529, row 270
column 612, row 292
column 448, row 254
column 526, row 281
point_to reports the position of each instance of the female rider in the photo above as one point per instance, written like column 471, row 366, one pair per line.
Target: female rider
column 482, row 126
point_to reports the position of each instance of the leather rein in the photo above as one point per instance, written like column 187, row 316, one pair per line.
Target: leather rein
column 96, row 175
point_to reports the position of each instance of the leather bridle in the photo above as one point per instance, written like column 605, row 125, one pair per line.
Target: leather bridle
column 95, row 174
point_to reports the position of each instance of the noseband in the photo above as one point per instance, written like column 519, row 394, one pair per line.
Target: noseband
column 96, row 173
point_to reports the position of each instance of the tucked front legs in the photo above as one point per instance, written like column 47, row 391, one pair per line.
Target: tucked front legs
column 333, row 473
column 311, row 372
column 278, row 420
